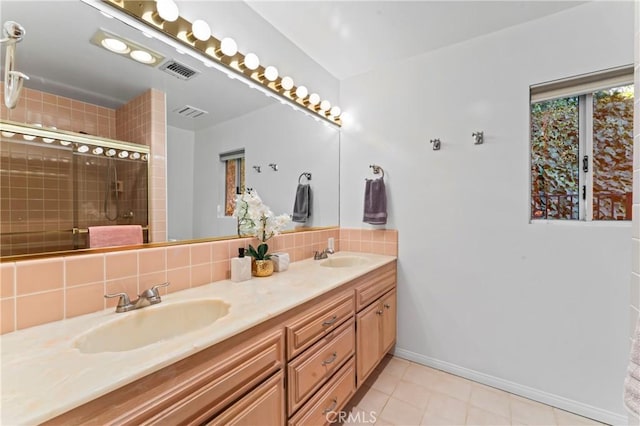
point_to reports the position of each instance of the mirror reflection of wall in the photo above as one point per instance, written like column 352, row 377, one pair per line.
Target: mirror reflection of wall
column 271, row 135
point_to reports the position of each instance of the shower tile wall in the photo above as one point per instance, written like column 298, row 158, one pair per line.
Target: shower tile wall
column 143, row 120
column 37, row 196
column 36, row 107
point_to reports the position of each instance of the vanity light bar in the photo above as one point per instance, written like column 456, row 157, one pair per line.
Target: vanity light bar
column 81, row 143
column 222, row 54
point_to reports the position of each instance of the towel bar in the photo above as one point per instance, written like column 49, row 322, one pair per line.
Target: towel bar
column 305, row 174
column 377, row 169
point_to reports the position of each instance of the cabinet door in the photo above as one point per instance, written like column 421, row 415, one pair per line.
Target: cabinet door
column 388, row 321
column 367, row 341
column 262, row 406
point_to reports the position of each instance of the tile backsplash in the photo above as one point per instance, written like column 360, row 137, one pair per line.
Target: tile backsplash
column 34, row 292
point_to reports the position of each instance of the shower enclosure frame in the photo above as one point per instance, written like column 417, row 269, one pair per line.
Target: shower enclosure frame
column 78, row 143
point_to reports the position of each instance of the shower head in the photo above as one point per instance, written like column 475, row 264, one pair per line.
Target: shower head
column 12, row 31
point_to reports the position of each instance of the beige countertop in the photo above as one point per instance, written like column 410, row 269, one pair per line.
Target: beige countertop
column 45, row 375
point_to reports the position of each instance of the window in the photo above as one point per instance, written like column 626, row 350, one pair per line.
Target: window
column 234, row 178
column 582, row 148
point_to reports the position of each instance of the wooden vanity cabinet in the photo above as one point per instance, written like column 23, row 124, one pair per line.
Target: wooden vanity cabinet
column 376, row 334
column 262, row 406
column 192, row 390
column 299, row 368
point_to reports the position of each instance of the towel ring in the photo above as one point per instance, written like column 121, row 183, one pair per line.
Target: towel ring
column 377, row 169
column 305, row 174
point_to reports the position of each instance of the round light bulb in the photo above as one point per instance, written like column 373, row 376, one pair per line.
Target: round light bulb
column 97, row 150
column 287, row 83
column 335, row 111
column 314, row 99
column 28, row 137
column 228, row 46
column 83, row 148
column 110, row 152
column 48, row 140
column 142, row 56
column 325, row 105
column 123, row 154
column 271, row 73
column 302, row 92
column 201, row 30
column 251, row 61
column 115, row 45
column 65, row 143
column 135, row 155
column 7, row 134
column 168, row 10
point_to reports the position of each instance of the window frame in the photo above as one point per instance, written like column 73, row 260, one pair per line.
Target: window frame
column 583, row 87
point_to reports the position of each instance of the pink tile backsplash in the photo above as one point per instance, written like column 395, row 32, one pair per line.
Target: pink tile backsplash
column 64, row 287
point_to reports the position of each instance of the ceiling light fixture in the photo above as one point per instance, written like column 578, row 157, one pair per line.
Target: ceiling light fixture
column 121, row 45
column 221, row 54
column 83, row 148
column 115, row 45
column 142, row 56
column 97, row 150
column 48, row 140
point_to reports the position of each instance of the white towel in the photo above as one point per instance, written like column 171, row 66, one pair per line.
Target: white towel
column 632, row 381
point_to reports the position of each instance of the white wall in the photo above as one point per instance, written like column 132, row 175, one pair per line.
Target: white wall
column 180, row 149
column 275, row 134
column 634, row 308
column 539, row 310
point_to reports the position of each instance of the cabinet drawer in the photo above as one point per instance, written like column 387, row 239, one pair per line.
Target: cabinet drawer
column 374, row 285
column 310, row 370
column 262, row 406
column 230, row 378
column 331, row 398
column 307, row 328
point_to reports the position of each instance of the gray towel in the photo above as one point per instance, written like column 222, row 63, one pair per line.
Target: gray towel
column 632, row 381
column 302, row 204
column 375, row 202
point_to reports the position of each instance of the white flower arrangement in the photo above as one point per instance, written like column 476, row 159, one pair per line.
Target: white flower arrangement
column 257, row 220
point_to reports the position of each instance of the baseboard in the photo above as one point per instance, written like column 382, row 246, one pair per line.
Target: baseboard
column 515, row 388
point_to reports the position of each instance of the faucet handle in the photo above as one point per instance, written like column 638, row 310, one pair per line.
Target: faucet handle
column 123, row 304
column 152, row 293
column 157, row 286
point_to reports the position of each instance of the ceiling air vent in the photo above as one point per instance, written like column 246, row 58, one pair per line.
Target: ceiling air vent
column 178, row 70
column 190, row 112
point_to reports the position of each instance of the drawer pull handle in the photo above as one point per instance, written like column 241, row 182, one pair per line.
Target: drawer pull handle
column 332, row 407
column 330, row 321
column 379, row 312
column 330, row 359
column 387, row 306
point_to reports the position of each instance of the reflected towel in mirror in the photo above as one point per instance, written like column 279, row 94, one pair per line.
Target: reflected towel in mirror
column 375, row 202
column 114, row 235
column 302, row 204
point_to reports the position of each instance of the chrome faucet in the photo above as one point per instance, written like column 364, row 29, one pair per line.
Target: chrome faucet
column 148, row 297
column 323, row 255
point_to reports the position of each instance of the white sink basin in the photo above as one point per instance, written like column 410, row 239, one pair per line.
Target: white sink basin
column 152, row 324
column 344, row 261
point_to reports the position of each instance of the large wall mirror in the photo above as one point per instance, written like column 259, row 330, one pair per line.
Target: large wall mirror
column 221, row 134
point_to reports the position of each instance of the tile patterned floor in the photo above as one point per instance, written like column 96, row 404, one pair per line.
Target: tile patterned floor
column 402, row 393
